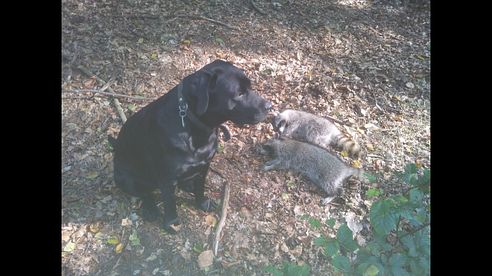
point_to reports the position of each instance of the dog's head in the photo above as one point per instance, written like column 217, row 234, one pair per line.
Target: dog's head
column 220, row 91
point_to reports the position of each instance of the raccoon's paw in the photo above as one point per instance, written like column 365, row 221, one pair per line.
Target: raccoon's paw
column 271, row 165
column 327, row 200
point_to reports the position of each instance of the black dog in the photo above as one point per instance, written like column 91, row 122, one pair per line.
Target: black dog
column 172, row 140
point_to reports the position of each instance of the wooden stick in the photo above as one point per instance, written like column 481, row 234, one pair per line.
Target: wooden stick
column 115, row 100
column 225, row 204
column 336, row 120
column 120, row 110
column 107, row 93
column 215, row 21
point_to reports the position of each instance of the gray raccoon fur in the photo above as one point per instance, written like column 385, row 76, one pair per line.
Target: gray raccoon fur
column 306, row 127
column 317, row 164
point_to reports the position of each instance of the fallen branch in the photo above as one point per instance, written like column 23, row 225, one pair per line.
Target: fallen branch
column 115, row 100
column 215, row 21
column 107, row 93
column 256, row 7
column 336, row 120
column 120, row 110
column 225, row 204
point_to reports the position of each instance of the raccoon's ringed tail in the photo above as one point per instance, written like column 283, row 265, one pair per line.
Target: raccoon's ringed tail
column 348, row 145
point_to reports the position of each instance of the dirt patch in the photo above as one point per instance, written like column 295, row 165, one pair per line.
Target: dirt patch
column 366, row 63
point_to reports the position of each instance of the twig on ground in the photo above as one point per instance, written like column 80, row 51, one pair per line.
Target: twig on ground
column 107, row 93
column 217, row 172
column 234, row 163
column 256, row 7
column 336, row 120
column 225, row 204
column 120, row 110
column 115, row 100
column 214, row 21
column 201, row 17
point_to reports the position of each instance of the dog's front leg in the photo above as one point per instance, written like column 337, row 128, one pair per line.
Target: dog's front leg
column 202, row 202
column 170, row 213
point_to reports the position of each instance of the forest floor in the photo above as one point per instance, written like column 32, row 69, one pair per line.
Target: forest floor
column 365, row 63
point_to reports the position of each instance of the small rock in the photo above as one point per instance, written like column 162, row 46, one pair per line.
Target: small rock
column 410, row 85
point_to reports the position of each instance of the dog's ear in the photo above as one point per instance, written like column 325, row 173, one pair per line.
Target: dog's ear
column 199, row 91
column 201, row 86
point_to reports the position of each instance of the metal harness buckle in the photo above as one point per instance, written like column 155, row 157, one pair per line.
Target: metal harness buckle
column 182, row 105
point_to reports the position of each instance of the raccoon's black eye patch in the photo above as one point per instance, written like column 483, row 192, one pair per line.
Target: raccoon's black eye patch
column 268, row 149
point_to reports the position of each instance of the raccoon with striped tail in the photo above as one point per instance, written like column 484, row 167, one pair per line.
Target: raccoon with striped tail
column 307, row 127
column 321, row 167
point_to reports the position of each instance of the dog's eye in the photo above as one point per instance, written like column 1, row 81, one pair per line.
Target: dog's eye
column 242, row 92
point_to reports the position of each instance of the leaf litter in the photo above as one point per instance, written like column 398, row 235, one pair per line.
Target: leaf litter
column 365, row 63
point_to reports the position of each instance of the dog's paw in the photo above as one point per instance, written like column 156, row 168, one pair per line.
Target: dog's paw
column 171, row 226
column 207, row 205
column 151, row 214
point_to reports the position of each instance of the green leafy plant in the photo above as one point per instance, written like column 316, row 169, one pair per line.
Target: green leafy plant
column 198, row 248
column 289, row 269
column 220, row 148
column 400, row 224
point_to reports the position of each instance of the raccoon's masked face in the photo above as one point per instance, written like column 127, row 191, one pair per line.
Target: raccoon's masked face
column 268, row 148
column 279, row 124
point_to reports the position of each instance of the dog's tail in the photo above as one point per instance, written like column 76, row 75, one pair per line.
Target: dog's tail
column 112, row 141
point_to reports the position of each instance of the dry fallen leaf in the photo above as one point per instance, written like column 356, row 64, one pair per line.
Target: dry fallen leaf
column 175, row 227
column 210, row 220
column 126, row 222
column 95, row 227
column 69, row 247
column 244, row 212
column 205, row 259
column 119, row 248
column 92, row 175
column 89, row 83
column 371, row 126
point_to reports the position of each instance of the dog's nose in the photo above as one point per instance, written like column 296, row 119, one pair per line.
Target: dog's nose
column 268, row 105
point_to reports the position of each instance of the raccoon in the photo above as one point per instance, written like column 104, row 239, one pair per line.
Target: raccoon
column 320, row 166
column 306, row 127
